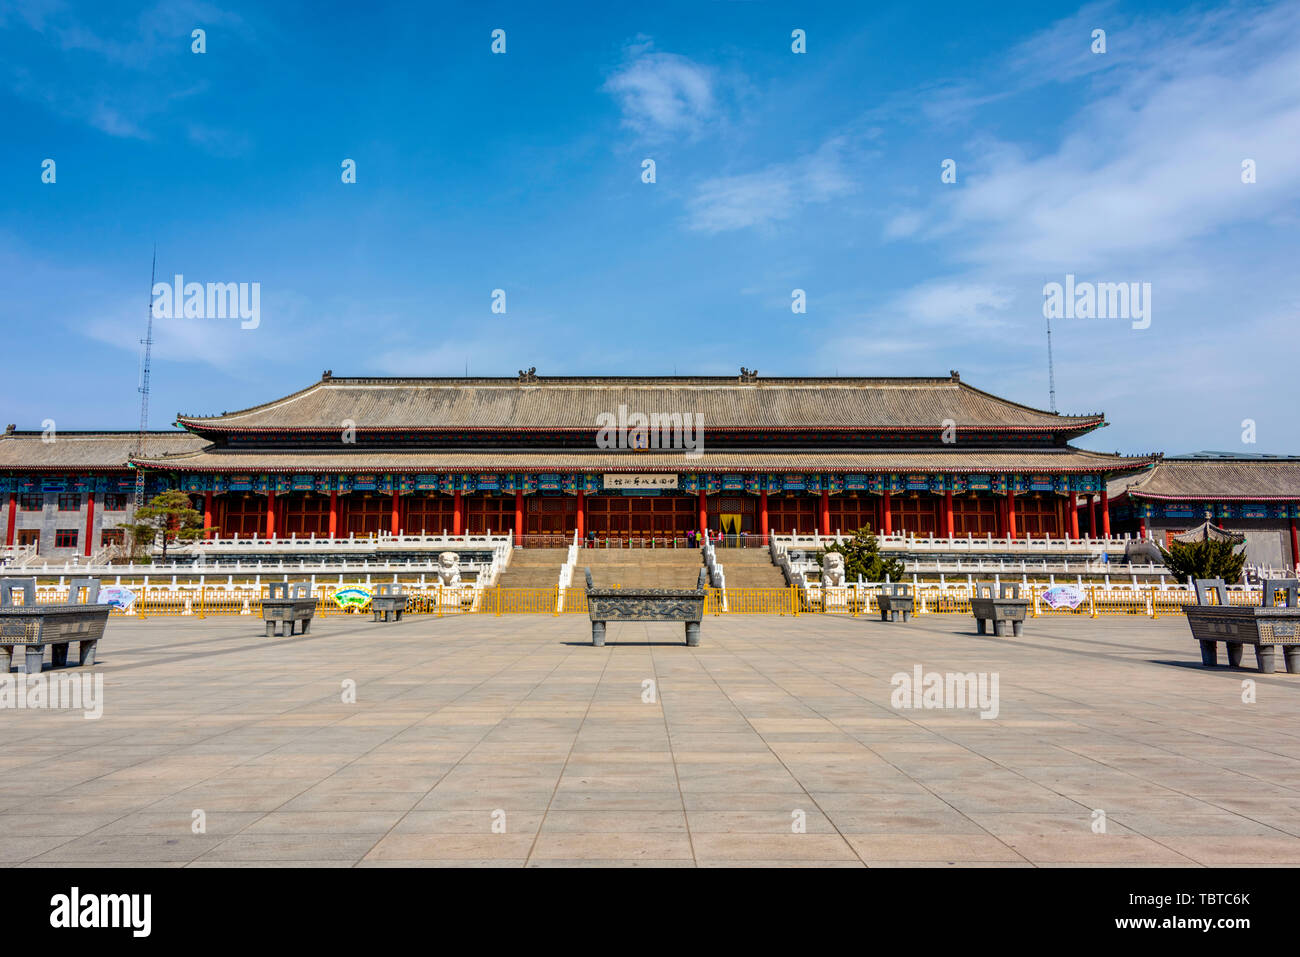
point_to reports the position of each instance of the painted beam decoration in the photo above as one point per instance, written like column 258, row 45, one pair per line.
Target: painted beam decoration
column 507, row 483
column 80, row 484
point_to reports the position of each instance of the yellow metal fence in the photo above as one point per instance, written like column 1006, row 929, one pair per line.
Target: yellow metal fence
column 1149, row 601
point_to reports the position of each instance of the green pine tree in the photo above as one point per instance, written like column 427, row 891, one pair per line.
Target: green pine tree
column 1206, row 559
column 169, row 517
column 862, row 557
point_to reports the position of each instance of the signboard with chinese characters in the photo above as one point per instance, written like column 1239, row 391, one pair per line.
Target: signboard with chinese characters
column 639, row 480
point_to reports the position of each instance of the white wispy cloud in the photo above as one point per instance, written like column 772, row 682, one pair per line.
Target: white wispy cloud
column 663, row 93
column 1152, row 162
column 137, row 81
column 970, row 304
column 776, row 192
column 1141, row 183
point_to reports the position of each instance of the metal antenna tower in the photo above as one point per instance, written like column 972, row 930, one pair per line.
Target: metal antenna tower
column 1051, row 370
column 147, row 342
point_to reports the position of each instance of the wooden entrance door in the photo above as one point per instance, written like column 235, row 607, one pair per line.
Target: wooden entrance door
column 550, row 515
column 1038, row 517
column 974, row 515
column 367, row 513
column 787, row 513
column 917, row 516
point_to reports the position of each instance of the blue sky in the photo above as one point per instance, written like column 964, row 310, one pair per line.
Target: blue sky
column 775, row 171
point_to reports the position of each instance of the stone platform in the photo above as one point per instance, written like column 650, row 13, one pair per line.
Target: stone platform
column 460, row 718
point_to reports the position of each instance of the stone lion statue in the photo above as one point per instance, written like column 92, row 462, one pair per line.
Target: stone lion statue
column 833, row 569
column 449, row 568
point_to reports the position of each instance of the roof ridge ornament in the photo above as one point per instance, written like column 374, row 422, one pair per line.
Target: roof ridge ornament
column 327, row 374
column 528, row 375
column 956, row 376
column 9, row 429
column 748, row 375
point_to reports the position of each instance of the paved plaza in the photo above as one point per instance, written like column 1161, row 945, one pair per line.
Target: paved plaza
column 510, row 741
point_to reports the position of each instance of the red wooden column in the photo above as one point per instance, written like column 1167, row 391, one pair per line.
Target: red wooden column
column 1295, row 545
column 270, row 513
column 397, row 513
column 13, row 515
column 1074, row 516
column 886, row 515
column 207, row 512
column 704, row 511
column 334, row 513
column 90, row 519
column 826, row 513
column 457, row 514
column 519, row 516
column 765, row 527
column 1105, row 512
column 1011, row 514
column 581, row 517
column 1142, row 528
column 947, row 513
column 1092, row 516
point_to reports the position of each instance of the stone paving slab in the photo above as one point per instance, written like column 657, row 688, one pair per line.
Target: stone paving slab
column 485, row 741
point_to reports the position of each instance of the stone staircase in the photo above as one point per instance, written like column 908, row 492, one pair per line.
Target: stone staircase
column 750, row 568
column 534, row 568
column 639, row 567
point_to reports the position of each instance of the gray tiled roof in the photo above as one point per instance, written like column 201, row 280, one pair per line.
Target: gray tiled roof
column 575, row 403
column 88, row 450
column 1208, row 479
column 506, row 460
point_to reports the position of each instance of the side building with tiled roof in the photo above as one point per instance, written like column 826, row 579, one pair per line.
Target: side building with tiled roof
column 1255, row 495
column 620, row 457
column 69, row 493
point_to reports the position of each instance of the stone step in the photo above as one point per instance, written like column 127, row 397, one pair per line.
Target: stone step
column 534, row 568
column 538, row 556
column 750, row 568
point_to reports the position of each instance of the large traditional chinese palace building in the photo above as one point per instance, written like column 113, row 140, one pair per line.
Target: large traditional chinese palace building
column 558, row 455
